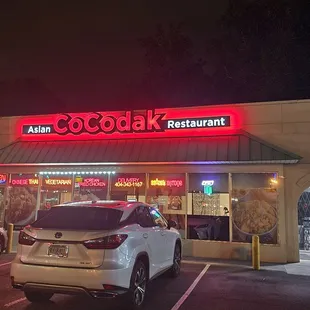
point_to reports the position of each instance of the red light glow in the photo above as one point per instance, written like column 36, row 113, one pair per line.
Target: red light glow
column 24, row 182
column 92, row 182
column 3, row 179
column 159, row 123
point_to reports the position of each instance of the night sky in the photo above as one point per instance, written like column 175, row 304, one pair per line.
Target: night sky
column 67, row 56
column 87, row 55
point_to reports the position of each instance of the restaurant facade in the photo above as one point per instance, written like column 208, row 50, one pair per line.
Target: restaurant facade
column 223, row 173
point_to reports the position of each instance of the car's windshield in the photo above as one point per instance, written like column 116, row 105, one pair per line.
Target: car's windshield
column 80, row 218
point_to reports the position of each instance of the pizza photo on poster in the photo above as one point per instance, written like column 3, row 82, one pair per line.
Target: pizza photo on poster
column 255, row 212
column 20, row 206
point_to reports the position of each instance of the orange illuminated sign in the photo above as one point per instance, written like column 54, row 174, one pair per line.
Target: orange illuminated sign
column 169, row 183
column 128, row 182
column 57, row 182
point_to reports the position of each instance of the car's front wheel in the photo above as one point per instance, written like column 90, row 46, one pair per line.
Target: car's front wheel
column 177, row 256
column 138, row 285
column 38, row 297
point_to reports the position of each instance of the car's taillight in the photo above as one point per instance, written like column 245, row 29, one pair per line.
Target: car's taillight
column 109, row 242
column 25, row 239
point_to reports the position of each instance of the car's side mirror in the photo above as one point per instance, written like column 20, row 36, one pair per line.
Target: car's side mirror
column 172, row 224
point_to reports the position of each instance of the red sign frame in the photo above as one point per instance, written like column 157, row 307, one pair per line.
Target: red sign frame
column 197, row 121
column 3, row 178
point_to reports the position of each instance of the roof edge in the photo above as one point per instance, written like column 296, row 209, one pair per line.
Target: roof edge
column 104, row 164
column 274, row 147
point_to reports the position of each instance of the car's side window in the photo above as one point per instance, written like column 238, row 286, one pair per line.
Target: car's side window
column 132, row 219
column 158, row 218
column 144, row 217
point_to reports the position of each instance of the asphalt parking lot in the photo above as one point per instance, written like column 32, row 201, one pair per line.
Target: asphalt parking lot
column 201, row 286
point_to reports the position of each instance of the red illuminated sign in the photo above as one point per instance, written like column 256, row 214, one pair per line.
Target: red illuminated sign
column 25, row 182
column 92, row 182
column 130, row 124
column 3, row 179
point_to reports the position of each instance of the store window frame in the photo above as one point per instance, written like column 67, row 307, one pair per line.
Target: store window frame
column 185, row 174
column 190, row 212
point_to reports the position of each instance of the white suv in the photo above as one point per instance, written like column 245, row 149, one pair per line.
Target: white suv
column 101, row 249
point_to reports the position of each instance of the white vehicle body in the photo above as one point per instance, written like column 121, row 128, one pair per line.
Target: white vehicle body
column 73, row 259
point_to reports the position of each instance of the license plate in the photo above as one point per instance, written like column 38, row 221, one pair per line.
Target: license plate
column 58, row 250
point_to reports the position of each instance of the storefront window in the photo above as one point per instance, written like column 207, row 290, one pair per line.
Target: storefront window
column 1, row 205
column 3, row 182
column 255, row 207
column 55, row 191
column 90, row 188
column 21, row 200
column 166, row 192
column 208, row 208
column 128, row 187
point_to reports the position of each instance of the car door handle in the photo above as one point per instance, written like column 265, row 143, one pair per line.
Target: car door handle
column 145, row 236
column 163, row 233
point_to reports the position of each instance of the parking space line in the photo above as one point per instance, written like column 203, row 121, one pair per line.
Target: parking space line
column 14, row 302
column 5, row 264
column 191, row 288
column 215, row 264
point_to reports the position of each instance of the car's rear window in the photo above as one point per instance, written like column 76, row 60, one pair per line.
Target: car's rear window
column 79, row 218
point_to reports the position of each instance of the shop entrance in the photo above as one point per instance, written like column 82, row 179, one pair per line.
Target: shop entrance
column 304, row 223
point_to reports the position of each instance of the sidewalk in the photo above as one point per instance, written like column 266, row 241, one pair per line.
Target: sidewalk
column 301, row 268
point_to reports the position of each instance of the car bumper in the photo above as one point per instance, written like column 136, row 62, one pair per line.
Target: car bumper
column 71, row 290
column 92, row 282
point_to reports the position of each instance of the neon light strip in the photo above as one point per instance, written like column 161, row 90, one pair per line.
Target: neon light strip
column 74, row 172
column 243, row 162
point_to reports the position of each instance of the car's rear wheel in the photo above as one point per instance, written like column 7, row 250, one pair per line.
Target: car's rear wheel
column 138, row 284
column 38, row 297
column 176, row 267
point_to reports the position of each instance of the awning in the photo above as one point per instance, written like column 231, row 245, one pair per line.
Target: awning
column 241, row 148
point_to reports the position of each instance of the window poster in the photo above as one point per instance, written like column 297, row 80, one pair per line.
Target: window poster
column 2, row 189
column 254, row 208
column 20, row 206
